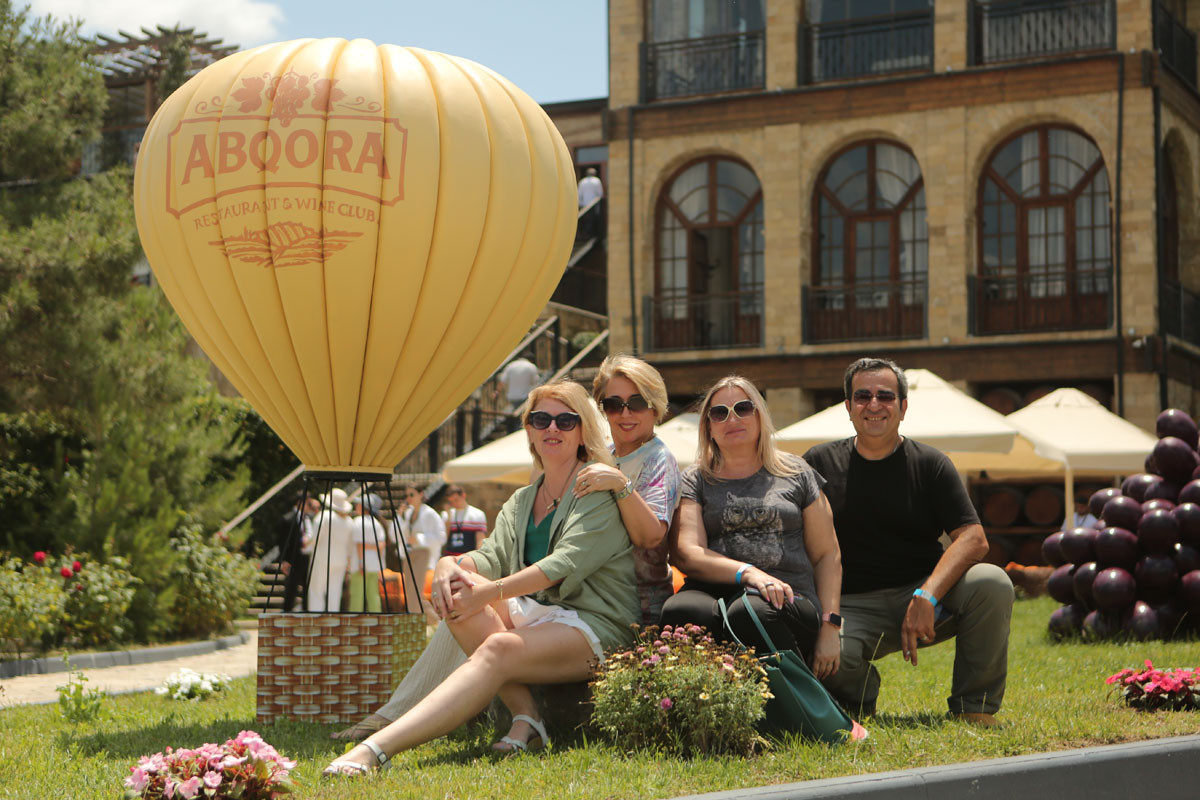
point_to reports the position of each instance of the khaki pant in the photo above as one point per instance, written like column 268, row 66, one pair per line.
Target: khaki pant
column 979, row 609
column 364, row 592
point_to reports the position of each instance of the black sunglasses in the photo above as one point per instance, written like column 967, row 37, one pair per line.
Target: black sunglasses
column 741, row 409
column 615, row 405
column 565, row 421
column 864, row 396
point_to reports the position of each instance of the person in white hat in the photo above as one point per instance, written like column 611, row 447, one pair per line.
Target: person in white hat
column 331, row 553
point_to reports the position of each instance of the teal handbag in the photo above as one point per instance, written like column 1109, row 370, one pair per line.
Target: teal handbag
column 800, row 703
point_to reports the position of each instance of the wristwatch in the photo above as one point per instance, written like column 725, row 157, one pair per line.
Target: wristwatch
column 625, row 490
column 833, row 619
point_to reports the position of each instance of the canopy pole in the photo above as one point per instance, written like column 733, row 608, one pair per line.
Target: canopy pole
column 1068, row 494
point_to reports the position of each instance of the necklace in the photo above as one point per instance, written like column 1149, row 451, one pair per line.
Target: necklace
column 552, row 504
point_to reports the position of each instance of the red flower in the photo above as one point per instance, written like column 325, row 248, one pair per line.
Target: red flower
column 66, row 572
column 40, row 556
column 79, row 587
column 76, row 567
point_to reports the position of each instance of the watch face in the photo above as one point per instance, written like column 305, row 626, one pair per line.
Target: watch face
column 834, row 619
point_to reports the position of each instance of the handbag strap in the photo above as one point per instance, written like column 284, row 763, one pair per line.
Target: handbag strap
column 753, row 616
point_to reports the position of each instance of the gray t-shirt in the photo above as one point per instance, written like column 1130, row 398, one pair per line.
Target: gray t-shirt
column 760, row 520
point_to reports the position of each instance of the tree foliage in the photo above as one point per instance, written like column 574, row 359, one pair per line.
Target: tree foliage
column 114, row 441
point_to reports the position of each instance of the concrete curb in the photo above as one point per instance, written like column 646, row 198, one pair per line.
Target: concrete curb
column 1161, row 768
column 120, row 658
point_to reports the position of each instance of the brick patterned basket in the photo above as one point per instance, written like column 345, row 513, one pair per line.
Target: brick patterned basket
column 332, row 668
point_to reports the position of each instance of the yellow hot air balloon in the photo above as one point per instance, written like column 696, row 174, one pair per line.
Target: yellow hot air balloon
column 355, row 234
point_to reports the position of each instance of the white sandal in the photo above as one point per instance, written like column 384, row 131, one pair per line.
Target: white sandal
column 337, row 767
column 516, row 745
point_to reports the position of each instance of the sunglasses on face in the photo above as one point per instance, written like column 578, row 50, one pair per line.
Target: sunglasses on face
column 740, row 409
column 615, row 405
column 540, row 420
column 864, row 396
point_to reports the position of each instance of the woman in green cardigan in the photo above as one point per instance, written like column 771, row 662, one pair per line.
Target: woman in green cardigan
column 551, row 589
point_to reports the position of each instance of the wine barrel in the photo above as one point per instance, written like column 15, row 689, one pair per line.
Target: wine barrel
column 1002, row 400
column 1037, row 394
column 1002, row 506
column 999, row 550
column 1044, row 505
column 1029, row 552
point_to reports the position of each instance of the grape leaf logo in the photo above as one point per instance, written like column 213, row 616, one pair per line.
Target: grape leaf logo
column 284, row 244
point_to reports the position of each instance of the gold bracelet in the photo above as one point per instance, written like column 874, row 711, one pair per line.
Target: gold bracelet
column 500, row 586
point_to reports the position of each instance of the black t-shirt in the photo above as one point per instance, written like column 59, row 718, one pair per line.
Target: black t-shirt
column 890, row 513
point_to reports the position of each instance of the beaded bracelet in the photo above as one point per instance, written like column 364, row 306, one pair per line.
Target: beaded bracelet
column 927, row 595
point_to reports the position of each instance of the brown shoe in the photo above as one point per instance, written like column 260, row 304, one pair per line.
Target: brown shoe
column 363, row 729
column 980, row 718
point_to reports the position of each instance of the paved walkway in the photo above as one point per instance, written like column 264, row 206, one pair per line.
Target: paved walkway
column 236, row 662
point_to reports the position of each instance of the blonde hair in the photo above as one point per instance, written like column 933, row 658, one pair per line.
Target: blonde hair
column 708, row 454
column 574, row 397
column 649, row 382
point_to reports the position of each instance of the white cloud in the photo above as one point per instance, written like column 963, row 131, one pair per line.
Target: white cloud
column 240, row 22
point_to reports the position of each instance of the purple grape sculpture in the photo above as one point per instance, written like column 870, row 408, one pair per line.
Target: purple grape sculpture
column 1163, row 490
column 1137, row 485
column 1156, row 577
column 1189, row 592
column 1116, row 547
column 1078, row 545
column 1141, row 622
column 1066, row 621
column 1113, row 589
column 1175, row 458
column 1060, row 585
column 1123, row 512
column 1157, row 532
column 1099, row 498
column 1052, row 549
column 1174, row 422
column 1190, row 493
column 1100, row 625
column 1188, row 517
column 1187, row 558
column 1156, row 504
column 1081, row 584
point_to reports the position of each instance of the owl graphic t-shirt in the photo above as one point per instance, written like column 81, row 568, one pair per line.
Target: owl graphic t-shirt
column 760, row 520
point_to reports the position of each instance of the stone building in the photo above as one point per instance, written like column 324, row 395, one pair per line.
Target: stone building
column 1000, row 192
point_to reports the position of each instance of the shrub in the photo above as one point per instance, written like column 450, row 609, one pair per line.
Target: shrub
column 76, row 702
column 32, row 603
column 97, row 599
column 187, row 684
column 212, row 585
column 680, row 692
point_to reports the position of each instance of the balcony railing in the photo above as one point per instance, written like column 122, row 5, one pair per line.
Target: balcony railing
column 1175, row 43
column 875, row 46
column 1179, row 312
column 884, row 310
column 1009, row 30
column 706, row 321
column 1051, row 301
column 703, row 66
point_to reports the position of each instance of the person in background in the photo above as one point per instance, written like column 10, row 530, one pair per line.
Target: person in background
column 892, row 500
column 1082, row 518
column 590, row 188
column 549, row 592
column 517, row 380
column 294, row 533
column 465, row 524
column 331, row 553
column 424, row 534
column 754, row 527
column 367, row 557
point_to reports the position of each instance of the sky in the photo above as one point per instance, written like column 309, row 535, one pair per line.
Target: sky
column 553, row 49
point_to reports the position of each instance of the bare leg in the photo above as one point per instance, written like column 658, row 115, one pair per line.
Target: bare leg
column 548, row 653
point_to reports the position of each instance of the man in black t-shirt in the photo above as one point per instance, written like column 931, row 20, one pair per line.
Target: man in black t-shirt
column 893, row 498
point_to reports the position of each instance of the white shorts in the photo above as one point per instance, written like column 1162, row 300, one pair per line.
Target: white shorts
column 527, row 612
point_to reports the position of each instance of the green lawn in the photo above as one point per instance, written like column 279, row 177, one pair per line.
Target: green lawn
column 1056, row 699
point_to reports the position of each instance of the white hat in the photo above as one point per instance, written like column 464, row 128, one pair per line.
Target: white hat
column 336, row 501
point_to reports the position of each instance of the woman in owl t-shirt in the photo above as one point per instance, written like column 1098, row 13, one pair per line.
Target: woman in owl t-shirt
column 753, row 519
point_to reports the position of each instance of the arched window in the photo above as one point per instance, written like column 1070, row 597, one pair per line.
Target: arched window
column 1170, row 221
column 1045, row 252
column 871, row 250
column 709, row 258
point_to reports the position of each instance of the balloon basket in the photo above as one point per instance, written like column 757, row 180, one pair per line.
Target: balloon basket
column 332, row 668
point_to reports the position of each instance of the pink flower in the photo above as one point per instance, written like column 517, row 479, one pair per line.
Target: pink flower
column 66, row 572
column 138, row 779
column 190, row 788
column 169, row 789
column 76, row 567
column 665, row 703
column 40, row 556
column 212, row 779
column 664, row 650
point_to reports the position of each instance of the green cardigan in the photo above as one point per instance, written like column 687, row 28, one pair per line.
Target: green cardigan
column 590, row 553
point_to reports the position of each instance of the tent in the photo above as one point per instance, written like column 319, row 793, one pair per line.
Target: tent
column 508, row 460
column 1082, row 436
column 974, row 436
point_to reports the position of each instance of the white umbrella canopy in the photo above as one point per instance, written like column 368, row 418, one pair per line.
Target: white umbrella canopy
column 508, row 460
column 1072, row 428
column 974, row 436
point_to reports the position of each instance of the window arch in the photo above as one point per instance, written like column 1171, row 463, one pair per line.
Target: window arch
column 871, row 253
column 1045, row 249
column 709, row 252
